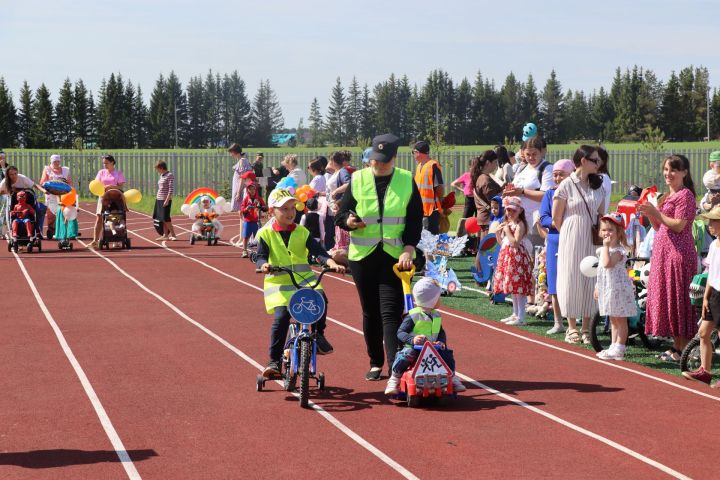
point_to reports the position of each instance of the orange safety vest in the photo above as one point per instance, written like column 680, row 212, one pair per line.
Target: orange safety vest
column 424, row 181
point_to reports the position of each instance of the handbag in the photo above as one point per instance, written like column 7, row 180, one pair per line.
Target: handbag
column 595, row 229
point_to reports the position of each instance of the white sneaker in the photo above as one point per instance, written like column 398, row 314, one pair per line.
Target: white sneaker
column 392, row 385
column 612, row 354
column 515, row 321
column 456, row 383
column 509, row 319
column 555, row 329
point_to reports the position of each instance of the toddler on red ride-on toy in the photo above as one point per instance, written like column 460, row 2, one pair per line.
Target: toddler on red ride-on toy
column 422, row 323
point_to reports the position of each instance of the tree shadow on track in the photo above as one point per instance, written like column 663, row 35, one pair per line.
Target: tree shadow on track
column 61, row 457
column 512, row 387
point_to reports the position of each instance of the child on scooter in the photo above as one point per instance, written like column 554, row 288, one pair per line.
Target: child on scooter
column 284, row 243
column 207, row 214
column 422, row 323
column 711, row 304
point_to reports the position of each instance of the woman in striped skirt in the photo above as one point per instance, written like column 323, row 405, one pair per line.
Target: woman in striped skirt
column 577, row 203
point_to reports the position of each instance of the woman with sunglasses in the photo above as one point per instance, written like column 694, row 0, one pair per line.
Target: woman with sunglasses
column 577, row 205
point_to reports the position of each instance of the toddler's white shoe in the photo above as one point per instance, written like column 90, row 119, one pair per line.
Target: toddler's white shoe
column 392, row 385
column 457, row 384
column 612, row 354
column 555, row 329
column 508, row 319
column 515, row 321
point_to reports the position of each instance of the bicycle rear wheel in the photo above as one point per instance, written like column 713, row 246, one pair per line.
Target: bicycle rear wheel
column 305, row 354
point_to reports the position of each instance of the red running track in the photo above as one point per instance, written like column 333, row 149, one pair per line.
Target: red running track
column 171, row 341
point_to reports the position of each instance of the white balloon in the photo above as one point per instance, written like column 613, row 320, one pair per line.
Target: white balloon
column 227, row 208
column 185, row 208
column 220, row 200
column 70, row 213
column 588, row 266
column 193, row 210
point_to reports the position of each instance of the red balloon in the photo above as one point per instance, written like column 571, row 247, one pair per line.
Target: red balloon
column 471, row 225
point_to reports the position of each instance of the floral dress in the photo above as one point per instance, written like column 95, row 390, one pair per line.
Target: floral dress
column 616, row 294
column 673, row 264
column 514, row 268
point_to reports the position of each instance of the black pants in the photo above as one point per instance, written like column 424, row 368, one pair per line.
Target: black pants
column 329, row 231
column 469, row 210
column 381, row 298
column 432, row 223
column 280, row 327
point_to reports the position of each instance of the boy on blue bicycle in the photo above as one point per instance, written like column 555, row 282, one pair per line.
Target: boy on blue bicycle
column 282, row 243
column 422, row 323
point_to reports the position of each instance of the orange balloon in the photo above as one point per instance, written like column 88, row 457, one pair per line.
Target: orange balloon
column 303, row 197
column 68, row 199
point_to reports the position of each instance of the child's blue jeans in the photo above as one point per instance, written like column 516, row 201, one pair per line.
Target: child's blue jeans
column 407, row 356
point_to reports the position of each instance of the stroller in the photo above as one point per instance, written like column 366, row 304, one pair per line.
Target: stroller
column 21, row 238
column 114, row 210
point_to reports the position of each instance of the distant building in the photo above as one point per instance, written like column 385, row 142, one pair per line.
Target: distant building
column 284, row 139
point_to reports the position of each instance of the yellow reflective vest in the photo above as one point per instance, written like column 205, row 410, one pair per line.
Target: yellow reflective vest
column 424, row 325
column 278, row 287
column 388, row 229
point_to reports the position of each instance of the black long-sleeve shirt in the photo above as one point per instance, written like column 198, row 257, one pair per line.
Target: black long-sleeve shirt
column 413, row 216
column 314, row 248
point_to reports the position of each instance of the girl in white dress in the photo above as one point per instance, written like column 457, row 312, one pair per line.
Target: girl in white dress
column 614, row 289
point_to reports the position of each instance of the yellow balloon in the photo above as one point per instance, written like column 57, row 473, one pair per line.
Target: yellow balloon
column 299, row 206
column 97, row 188
column 133, row 196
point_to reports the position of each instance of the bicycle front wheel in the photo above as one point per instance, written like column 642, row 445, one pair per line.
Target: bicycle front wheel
column 305, row 356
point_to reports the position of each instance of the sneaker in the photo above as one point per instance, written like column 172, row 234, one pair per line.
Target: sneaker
column 373, row 374
column 323, row 346
column 612, row 354
column 509, row 319
column 273, row 368
column 457, row 384
column 555, row 329
column 244, row 254
column 392, row 386
column 516, row 321
column 699, row 375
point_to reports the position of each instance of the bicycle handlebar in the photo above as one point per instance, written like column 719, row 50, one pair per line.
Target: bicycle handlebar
column 292, row 276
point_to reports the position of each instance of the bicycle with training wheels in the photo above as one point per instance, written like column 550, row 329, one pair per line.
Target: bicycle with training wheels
column 299, row 362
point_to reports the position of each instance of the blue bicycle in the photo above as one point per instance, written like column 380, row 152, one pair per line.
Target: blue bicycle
column 306, row 307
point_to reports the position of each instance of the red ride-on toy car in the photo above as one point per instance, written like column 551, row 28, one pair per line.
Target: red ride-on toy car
column 430, row 377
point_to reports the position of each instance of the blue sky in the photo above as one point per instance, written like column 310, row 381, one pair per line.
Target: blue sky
column 302, row 46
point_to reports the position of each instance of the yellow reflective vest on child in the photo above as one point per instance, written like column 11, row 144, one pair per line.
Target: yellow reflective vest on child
column 426, row 323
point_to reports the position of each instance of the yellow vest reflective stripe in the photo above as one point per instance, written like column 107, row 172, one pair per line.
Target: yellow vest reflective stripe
column 388, row 229
column 424, row 325
column 424, row 180
column 278, row 287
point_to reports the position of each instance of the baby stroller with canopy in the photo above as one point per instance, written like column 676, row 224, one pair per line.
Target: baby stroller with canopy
column 113, row 218
column 23, row 227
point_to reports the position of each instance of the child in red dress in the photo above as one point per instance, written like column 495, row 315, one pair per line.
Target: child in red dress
column 513, row 275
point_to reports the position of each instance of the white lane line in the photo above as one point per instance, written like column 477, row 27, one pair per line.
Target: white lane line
column 327, row 416
column 107, row 425
column 560, row 349
column 554, row 418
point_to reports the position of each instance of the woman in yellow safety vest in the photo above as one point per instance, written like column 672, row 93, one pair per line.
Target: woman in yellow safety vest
column 382, row 210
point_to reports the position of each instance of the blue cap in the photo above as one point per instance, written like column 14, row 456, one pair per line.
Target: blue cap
column 366, row 155
column 529, row 131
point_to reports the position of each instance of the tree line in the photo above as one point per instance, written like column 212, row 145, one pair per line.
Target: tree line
column 215, row 110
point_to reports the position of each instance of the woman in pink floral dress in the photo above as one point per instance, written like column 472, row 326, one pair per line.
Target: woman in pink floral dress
column 674, row 260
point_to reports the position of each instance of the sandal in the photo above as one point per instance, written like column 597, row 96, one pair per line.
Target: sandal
column 669, row 356
column 572, row 336
column 586, row 340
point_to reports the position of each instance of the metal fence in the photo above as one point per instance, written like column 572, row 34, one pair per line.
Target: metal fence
column 206, row 168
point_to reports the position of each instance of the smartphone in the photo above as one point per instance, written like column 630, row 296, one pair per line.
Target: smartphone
column 359, row 219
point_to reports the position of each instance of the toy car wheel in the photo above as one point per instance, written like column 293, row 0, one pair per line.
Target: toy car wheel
column 451, row 288
column 29, row 248
column 39, row 245
column 9, row 246
column 71, row 246
column 259, row 383
column 413, row 401
column 127, row 244
column 192, row 239
column 15, row 247
column 321, row 381
column 60, row 245
column 209, row 240
column 215, row 240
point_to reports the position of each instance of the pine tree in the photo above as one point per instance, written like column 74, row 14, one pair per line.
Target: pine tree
column 686, row 117
column 8, row 117
column 42, row 131
column 139, row 120
column 670, row 109
column 197, row 113
column 552, row 111
column 463, row 132
column 578, row 116
column 406, row 104
column 701, row 90
column 601, row 114
column 352, row 115
column 335, row 123
column 316, row 124
column 25, row 116
column 81, row 114
column 511, row 104
column 300, row 132
column 237, row 110
column 715, row 115
column 92, row 133
column 367, row 114
column 529, row 108
column 266, row 115
column 177, row 109
column 64, row 122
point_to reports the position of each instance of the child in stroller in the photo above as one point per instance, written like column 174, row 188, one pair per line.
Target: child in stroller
column 23, row 222
column 206, row 226
column 114, row 219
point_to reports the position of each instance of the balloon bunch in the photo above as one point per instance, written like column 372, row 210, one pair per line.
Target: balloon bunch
column 97, row 188
column 303, row 194
column 192, row 209
column 288, row 183
column 67, row 201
